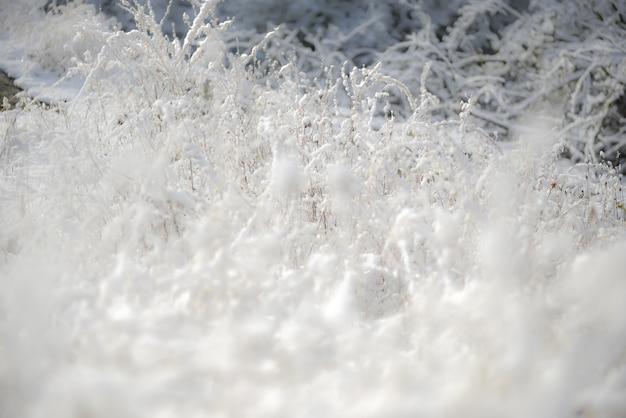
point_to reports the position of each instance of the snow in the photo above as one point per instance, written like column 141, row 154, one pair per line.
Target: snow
column 183, row 233
column 35, row 81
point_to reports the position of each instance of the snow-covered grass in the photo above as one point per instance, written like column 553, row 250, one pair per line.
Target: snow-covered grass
column 198, row 233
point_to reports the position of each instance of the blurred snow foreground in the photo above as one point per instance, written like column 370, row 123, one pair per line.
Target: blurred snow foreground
column 210, row 228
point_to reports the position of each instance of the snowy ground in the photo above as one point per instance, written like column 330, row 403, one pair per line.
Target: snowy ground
column 186, row 232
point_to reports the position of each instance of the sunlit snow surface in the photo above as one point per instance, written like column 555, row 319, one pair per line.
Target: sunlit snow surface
column 37, row 82
column 181, row 239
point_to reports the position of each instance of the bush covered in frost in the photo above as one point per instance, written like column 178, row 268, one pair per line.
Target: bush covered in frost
column 512, row 57
column 221, row 224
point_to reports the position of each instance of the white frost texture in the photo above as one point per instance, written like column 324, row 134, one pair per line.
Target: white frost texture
column 316, row 209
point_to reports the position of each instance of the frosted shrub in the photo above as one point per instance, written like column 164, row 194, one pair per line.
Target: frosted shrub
column 201, row 232
column 514, row 61
column 513, row 58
